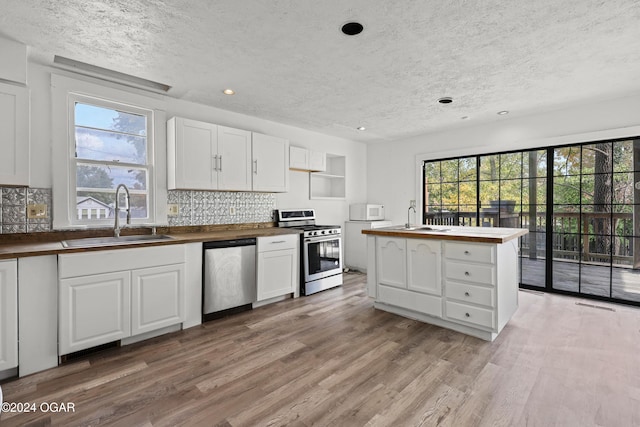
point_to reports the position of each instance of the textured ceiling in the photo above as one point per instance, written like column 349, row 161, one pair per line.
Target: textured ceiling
column 288, row 61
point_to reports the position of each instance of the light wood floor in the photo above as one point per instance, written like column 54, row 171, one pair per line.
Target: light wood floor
column 330, row 359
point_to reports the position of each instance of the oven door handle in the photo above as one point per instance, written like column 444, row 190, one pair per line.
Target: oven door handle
column 322, row 239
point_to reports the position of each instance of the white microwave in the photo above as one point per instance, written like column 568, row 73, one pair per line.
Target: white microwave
column 366, row 212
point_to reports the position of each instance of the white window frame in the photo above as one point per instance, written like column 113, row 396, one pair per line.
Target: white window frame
column 65, row 93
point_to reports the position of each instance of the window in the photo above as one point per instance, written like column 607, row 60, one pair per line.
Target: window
column 104, row 134
column 110, row 147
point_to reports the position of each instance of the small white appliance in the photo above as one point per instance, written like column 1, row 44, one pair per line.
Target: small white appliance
column 366, row 212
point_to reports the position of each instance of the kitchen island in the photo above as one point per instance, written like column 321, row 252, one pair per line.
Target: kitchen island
column 461, row 278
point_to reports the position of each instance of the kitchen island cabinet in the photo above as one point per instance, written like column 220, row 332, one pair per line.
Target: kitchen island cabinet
column 457, row 278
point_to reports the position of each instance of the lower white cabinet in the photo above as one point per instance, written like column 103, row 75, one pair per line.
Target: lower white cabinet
column 133, row 291
column 408, row 274
column 8, row 314
column 277, row 266
column 94, row 310
column 157, row 298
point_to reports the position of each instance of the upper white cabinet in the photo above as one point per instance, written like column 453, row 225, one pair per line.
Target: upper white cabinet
column 234, row 159
column 204, row 156
column 270, row 160
column 331, row 183
column 14, row 135
column 307, row 160
column 8, row 314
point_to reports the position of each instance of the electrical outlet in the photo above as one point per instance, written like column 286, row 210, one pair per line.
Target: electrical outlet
column 37, row 210
column 232, row 210
column 412, row 203
column 173, row 209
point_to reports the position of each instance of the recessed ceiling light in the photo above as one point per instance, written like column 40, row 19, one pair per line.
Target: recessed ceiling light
column 445, row 100
column 352, row 28
column 361, row 128
column 503, row 112
column 229, row 92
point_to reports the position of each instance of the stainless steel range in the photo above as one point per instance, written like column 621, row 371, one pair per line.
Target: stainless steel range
column 321, row 250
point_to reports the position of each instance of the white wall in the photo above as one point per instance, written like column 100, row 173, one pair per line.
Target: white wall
column 328, row 211
column 394, row 168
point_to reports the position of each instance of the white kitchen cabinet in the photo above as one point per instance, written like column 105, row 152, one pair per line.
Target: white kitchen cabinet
column 270, row 160
column 192, row 154
column 424, row 264
column 157, row 297
column 8, row 314
column 234, row 159
column 94, row 310
column 391, row 254
column 277, row 266
column 204, row 156
column 408, row 273
column 14, row 137
column 307, row 160
column 109, row 295
column 465, row 286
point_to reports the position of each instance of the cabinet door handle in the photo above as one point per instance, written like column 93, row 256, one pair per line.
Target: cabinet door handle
column 220, row 168
column 214, row 160
column 255, row 166
column 466, row 273
column 467, row 294
column 466, row 252
column 467, row 315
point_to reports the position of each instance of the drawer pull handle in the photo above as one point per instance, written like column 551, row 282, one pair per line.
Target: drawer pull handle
column 278, row 241
column 467, row 252
column 467, row 294
column 467, row 315
column 466, row 273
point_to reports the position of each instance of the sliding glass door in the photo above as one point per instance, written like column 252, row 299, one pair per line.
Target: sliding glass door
column 580, row 203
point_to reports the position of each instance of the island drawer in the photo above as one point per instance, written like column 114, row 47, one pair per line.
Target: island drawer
column 477, row 273
column 470, row 293
column 470, row 252
column 469, row 314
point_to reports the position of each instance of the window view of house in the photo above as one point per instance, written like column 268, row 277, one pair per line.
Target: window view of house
column 578, row 202
column 110, row 149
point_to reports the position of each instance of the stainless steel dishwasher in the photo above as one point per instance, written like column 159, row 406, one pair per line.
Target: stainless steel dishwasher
column 229, row 277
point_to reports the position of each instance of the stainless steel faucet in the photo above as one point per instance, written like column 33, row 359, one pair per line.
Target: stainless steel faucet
column 408, row 224
column 116, row 225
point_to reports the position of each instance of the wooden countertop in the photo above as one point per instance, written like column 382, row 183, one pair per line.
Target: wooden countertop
column 34, row 246
column 464, row 234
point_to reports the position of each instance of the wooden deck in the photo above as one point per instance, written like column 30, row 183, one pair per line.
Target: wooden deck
column 592, row 280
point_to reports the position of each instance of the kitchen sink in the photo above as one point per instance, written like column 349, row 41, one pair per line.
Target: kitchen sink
column 417, row 228
column 110, row 241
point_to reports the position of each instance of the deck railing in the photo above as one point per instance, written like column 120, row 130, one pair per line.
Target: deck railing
column 593, row 237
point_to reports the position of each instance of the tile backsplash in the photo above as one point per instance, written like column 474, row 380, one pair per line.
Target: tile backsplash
column 220, row 207
column 195, row 208
column 13, row 209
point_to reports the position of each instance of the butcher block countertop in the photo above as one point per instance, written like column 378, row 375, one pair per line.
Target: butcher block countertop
column 442, row 232
column 35, row 244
